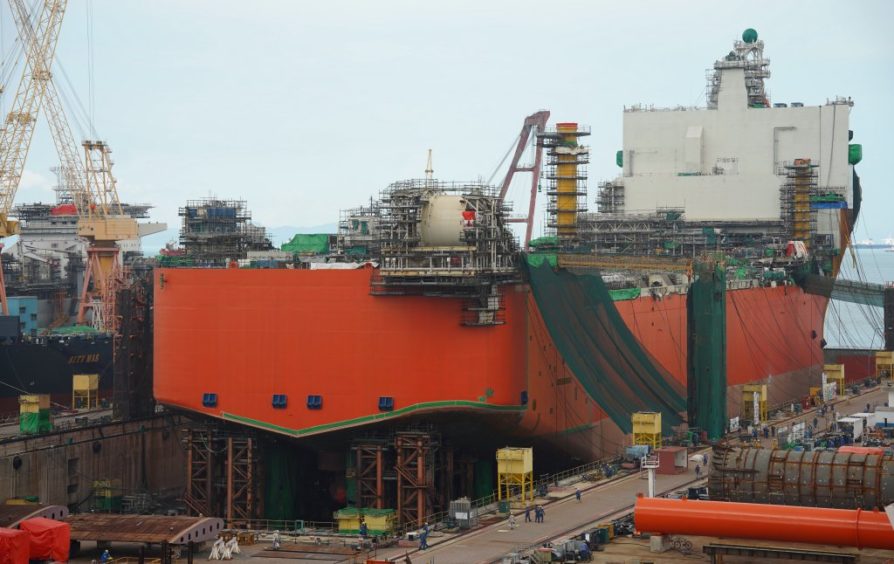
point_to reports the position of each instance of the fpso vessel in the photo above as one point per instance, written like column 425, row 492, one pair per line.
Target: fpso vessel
column 426, row 311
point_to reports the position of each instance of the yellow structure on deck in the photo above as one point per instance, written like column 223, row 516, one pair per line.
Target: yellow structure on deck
column 515, row 469
column 33, row 403
column 85, row 391
column 647, row 428
column 835, row 373
column 884, row 364
column 748, row 393
column 378, row 521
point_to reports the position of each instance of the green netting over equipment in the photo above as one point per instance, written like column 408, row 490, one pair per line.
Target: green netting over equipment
column 610, row 363
column 308, row 244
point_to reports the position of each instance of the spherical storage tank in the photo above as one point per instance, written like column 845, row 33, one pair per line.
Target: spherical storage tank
column 749, row 35
column 442, row 220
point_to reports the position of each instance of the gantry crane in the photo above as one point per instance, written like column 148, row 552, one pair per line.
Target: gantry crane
column 93, row 188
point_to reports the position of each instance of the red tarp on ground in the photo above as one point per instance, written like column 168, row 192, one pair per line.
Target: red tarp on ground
column 49, row 539
column 15, row 546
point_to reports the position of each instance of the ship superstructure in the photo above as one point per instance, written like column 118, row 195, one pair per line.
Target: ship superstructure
column 742, row 176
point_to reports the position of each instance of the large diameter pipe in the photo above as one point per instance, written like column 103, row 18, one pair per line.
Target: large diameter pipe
column 786, row 523
column 820, row 478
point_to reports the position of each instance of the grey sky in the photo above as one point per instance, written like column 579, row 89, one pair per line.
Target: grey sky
column 304, row 108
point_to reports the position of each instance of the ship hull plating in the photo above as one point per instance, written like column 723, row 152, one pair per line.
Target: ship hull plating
column 227, row 341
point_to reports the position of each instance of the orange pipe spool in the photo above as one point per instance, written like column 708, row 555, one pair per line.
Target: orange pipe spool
column 788, row 523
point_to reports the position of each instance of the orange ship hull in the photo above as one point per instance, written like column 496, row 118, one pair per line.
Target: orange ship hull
column 247, row 335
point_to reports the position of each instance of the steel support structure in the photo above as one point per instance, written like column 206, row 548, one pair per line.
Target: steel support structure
column 240, row 472
column 536, row 124
column 199, row 471
column 370, row 465
column 222, row 475
column 415, row 476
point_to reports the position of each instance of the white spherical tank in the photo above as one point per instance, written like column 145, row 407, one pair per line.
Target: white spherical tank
column 442, row 221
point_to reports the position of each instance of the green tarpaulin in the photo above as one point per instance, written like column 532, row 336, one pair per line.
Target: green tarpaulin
column 536, row 259
column 610, row 363
column 625, row 294
column 308, row 244
column 34, row 423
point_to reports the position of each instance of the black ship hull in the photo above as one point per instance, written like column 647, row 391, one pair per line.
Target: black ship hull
column 46, row 365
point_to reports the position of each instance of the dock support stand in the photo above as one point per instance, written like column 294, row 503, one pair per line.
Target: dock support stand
column 370, row 460
column 415, row 476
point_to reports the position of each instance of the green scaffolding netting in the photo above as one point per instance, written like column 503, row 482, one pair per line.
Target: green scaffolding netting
column 610, row 363
column 706, row 312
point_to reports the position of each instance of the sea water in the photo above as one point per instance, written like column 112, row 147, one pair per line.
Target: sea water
column 856, row 326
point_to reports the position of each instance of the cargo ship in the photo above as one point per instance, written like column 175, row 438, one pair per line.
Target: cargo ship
column 427, row 312
column 40, row 349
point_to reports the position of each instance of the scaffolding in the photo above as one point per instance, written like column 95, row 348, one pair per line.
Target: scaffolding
column 566, row 179
column 666, row 233
column 795, row 195
column 610, row 197
column 216, row 231
column 448, row 240
column 358, row 232
column 747, row 55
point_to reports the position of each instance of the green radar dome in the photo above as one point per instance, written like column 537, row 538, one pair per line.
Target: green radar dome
column 749, row 35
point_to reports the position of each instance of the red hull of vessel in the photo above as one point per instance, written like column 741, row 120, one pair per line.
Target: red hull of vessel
column 246, row 335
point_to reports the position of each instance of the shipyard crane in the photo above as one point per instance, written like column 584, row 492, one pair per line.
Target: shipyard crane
column 534, row 123
column 18, row 130
column 101, row 219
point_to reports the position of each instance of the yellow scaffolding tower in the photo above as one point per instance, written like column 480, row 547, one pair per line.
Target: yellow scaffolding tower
column 85, row 391
column 884, row 364
column 515, row 469
column 835, row 373
column 750, row 394
column 647, row 429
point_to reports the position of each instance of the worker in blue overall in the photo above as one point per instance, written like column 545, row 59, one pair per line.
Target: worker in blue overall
column 423, row 538
column 577, row 494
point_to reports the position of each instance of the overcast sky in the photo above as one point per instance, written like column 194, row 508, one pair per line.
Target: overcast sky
column 305, row 108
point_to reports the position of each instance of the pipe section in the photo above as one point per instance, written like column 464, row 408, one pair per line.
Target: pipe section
column 840, row 527
column 819, row 478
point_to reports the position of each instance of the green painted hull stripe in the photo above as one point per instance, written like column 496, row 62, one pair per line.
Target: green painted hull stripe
column 372, row 418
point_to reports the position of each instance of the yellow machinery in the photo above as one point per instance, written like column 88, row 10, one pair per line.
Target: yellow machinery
column 835, row 373
column 884, row 364
column 85, row 391
column 515, row 469
column 754, row 394
column 378, row 521
column 647, row 429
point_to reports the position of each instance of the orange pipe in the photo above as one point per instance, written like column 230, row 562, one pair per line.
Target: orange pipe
column 787, row 523
column 861, row 450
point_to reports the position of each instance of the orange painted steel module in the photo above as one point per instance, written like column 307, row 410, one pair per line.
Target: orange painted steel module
column 304, row 352
column 786, row 523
